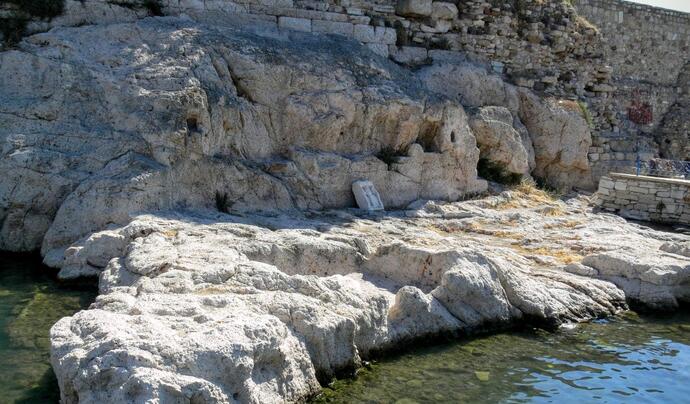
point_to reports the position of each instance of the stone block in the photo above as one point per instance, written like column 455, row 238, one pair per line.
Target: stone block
column 332, row 27
column 359, row 19
column 620, row 186
column 413, row 8
column 372, row 34
column 606, row 183
column 366, row 195
column 678, row 194
column 312, row 14
column 409, row 55
column 440, row 10
column 297, row 24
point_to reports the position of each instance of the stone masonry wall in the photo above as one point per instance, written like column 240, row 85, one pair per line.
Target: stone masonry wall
column 647, row 49
column 645, row 198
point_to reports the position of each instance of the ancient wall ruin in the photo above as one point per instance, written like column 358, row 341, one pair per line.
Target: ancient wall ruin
column 645, row 198
column 648, row 51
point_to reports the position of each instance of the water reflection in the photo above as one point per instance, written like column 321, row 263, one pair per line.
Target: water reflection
column 30, row 303
column 629, row 358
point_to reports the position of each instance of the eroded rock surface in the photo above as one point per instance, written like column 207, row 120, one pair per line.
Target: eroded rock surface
column 164, row 113
column 218, row 308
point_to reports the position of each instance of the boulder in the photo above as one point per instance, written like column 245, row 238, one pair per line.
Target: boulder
column 413, row 8
column 561, row 139
column 498, row 141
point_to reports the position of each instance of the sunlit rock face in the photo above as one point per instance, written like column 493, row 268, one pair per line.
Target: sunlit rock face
column 166, row 112
column 220, row 308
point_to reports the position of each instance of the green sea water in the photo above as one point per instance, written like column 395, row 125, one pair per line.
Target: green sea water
column 31, row 301
column 628, row 359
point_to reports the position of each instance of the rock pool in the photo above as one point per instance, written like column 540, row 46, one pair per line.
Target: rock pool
column 31, row 301
column 629, row 358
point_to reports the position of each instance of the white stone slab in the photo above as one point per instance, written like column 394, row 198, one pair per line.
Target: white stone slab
column 366, row 195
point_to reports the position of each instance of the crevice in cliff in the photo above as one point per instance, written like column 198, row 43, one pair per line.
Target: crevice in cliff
column 239, row 87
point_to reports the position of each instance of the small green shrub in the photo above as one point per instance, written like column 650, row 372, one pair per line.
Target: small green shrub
column 39, row 8
column 586, row 114
column 660, row 207
column 154, row 6
column 222, row 201
column 12, row 30
column 495, row 172
column 390, row 155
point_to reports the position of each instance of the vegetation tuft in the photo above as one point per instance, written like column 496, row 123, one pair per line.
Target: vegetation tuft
column 495, row 172
column 222, row 201
column 389, row 155
column 586, row 114
column 14, row 28
column 38, row 8
column 154, row 6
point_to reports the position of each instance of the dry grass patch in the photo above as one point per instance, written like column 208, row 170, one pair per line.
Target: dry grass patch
column 527, row 195
column 563, row 255
column 568, row 224
column 212, row 290
column 477, row 227
column 170, row 233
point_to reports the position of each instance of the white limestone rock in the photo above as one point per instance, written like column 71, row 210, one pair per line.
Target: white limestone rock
column 220, row 308
column 498, row 141
column 441, row 10
column 561, row 140
column 167, row 112
column 655, row 279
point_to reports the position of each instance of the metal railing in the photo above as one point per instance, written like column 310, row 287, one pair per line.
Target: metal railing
column 657, row 167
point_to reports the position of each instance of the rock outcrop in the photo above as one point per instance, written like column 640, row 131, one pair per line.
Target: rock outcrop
column 167, row 112
column 219, row 308
column 170, row 112
column 555, row 138
column 498, row 140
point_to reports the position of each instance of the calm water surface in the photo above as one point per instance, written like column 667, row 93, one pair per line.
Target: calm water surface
column 31, row 301
column 628, row 359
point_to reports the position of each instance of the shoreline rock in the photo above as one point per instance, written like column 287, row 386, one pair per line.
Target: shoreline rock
column 323, row 291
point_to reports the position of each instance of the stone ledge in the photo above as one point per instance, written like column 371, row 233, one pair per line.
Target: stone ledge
column 662, row 180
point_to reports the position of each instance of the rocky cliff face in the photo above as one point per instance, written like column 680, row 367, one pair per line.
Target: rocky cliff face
column 102, row 121
column 202, row 167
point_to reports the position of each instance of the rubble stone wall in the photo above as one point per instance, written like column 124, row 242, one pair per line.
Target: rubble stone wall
column 648, row 51
column 645, row 198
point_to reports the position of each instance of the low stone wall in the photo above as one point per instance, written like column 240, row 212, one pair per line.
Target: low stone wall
column 645, row 198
